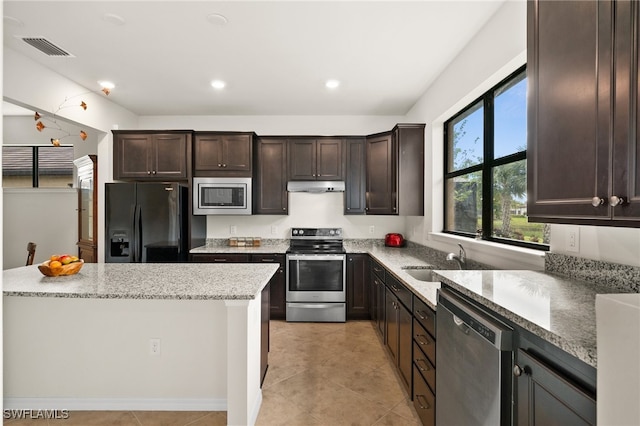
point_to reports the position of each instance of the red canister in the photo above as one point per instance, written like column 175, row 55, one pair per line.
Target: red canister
column 394, row 240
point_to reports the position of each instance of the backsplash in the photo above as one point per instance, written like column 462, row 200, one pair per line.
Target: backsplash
column 623, row 277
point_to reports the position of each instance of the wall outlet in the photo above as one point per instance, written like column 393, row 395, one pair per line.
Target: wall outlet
column 372, row 229
column 233, row 229
column 274, row 230
column 573, row 239
column 154, row 347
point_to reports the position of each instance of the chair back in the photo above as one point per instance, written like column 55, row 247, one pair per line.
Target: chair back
column 31, row 249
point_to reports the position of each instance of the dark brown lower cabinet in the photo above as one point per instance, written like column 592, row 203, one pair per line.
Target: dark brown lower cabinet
column 424, row 400
column 358, row 291
column 546, row 397
column 277, row 284
column 398, row 330
column 264, row 332
column 219, row 258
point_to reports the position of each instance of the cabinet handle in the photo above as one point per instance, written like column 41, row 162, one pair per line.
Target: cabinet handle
column 154, row 172
column 219, row 260
column 148, row 172
column 267, row 260
column 423, row 405
column 224, row 165
column 426, row 364
column 284, row 209
column 394, row 288
column 420, row 342
column 597, row 201
column 219, row 164
column 517, row 371
column 421, row 315
column 614, row 200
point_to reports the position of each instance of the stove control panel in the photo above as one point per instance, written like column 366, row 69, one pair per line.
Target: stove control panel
column 317, row 232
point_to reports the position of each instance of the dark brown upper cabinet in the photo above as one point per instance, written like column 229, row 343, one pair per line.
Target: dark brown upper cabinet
column 583, row 116
column 223, row 154
column 355, row 176
column 315, row 159
column 270, row 186
column 146, row 155
column 395, row 171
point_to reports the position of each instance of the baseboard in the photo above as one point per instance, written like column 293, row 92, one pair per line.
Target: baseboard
column 116, row 404
column 256, row 408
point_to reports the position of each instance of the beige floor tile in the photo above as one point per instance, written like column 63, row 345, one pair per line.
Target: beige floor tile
column 406, row 409
column 392, row 419
column 216, row 418
column 168, row 418
column 98, row 418
column 345, row 407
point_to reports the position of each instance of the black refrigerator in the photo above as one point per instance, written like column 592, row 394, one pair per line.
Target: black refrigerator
column 146, row 222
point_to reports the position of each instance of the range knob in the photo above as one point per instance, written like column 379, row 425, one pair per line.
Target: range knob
column 294, row 232
column 301, row 231
column 332, row 232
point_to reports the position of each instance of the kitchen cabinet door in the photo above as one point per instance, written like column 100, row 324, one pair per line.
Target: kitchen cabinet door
column 223, row 154
column 315, row 159
column 277, row 284
column 395, row 171
column 398, row 327
column 270, row 189
column 264, row 331
column 545, row 397
column 142, row 155
column 358, row 287
column 582, row 156
column 381, row 176
column 355, row 176
column 626, row 155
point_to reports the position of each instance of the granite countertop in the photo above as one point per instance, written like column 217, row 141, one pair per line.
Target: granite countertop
column 558, row 309
column 221, row 246
column 144, row 281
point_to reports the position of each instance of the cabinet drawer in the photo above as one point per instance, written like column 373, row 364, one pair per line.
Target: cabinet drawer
column 267, row 258
column 424, row 400
column 377, row 270
column 220, row 258
column 425, row 315
column 424, row 341
column 426, row 368
column 400, row 291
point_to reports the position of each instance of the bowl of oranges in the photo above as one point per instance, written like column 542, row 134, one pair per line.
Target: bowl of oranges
column 61, row 264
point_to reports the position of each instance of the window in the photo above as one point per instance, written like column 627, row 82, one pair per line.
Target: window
column 486, row 168
column 37, row 166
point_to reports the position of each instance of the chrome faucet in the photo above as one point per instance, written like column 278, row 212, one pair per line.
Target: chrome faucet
column 461, row 258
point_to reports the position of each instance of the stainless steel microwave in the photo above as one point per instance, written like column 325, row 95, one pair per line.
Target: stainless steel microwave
column 222, row 196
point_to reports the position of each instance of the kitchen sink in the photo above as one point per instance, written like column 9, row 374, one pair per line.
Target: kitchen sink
column 421, row 274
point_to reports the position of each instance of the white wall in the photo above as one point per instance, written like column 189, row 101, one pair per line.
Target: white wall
column 47, row 217
column 47, row 361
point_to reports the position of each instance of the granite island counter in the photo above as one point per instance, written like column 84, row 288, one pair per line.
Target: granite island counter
column 82, row 342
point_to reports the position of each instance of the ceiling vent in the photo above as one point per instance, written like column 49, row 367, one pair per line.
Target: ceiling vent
column 46, row 47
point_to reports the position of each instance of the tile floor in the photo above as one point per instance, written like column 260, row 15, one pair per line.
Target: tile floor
column 319, row 374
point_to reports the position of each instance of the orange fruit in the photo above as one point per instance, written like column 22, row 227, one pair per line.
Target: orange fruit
column 54, row 264
column 54, row 257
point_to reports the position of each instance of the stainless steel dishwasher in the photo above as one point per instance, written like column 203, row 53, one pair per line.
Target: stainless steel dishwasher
column 475, row 358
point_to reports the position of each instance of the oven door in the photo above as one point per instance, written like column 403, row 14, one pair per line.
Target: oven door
column 316, row 277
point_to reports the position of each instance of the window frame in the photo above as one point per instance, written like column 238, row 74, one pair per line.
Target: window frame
column 35, row 165
column 486, row 167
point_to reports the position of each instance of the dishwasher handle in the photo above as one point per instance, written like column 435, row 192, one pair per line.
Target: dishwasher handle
column 469, row 317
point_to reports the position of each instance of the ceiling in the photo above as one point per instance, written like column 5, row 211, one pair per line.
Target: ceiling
column 275, row 56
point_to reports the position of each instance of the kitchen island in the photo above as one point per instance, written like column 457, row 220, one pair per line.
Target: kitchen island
column 135, row 337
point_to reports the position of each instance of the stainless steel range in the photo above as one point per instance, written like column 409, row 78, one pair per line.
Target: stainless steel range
column 316, row 275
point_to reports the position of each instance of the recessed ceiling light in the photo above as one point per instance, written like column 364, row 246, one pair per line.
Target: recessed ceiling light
column 106, row 84
column 332, row 84
column 114, row 19
column 217, row 19
column 218, row 84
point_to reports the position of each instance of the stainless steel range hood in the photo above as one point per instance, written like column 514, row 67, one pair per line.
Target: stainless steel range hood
column 315, row 186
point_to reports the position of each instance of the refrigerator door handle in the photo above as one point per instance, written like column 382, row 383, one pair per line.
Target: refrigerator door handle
column 133, row 240
column 138, row 233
